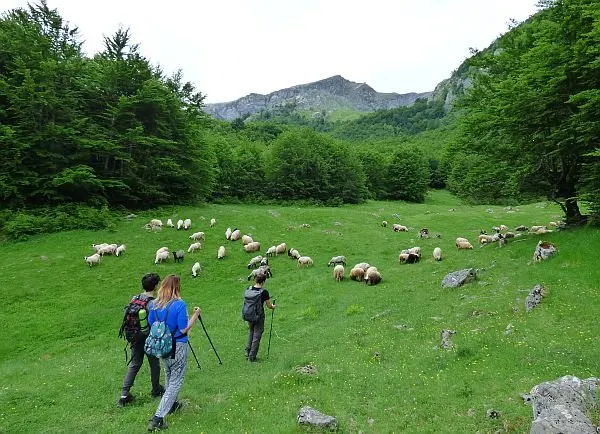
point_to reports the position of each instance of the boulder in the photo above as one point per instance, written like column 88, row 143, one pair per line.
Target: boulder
column 544, row 250
column 311, row 417
column 459, row 278
column 535, row 297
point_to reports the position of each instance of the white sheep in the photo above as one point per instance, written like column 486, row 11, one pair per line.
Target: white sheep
column 197, row 236
column 304, row 260
column 357, row 274
column 364, row 265
column 399, row 228
column 246, row 239
column 281, row 248
column 97, row 247
column 120, row 249
column 221, row 252
column 271, row 251
column 213, row 222
column 413, row 251
column 170, row 223
column 252, row 247
column 464, row 245
column 293, row 253
column 235, row 235
column 194, row 246
column 161, row 256
column 485, row 239
column 338, row 272
column 156, row 222
column 437, row 254
column 253, row 263
column 196, row 269
column 228, row 234
column 503, row 228
column 107, row 250
column 179, row 224
column 93, row 259
column 461, row 240
column 372, row 276
column 162, row 249
column 187, row 223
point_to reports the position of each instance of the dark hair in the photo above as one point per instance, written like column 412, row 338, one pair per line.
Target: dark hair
column 261, row 277
column 149, row 281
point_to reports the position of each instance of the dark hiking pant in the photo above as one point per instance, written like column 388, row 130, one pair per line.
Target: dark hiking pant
column 255, row 331
column 137, row 358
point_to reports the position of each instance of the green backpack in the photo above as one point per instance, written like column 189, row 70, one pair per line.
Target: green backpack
column 159, row 342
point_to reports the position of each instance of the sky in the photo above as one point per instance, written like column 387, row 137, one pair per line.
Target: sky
column 230, row 48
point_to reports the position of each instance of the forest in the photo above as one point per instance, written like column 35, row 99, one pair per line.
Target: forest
column 81, row 136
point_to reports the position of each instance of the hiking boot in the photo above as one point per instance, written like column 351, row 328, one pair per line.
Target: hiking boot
column 157, row 423
column 252, row 359
column 125, row 399
column 176, row 406
column 158, row 392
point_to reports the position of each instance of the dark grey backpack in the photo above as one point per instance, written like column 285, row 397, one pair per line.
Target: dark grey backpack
column 253, row 309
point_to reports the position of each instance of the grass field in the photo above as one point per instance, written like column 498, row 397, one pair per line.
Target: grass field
column 62, row 364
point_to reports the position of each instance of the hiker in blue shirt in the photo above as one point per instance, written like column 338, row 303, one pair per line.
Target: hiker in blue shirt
column 168, row 304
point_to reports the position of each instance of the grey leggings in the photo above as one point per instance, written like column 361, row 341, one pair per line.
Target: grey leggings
column 174, row 373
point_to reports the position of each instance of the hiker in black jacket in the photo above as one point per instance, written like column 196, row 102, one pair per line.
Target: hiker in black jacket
column 256, row 315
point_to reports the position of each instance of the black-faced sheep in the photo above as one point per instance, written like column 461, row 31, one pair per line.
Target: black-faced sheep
column 293, row 253
column 170, row 223
column 254, row 262
column 271, row 251
column 263, row 269
column 196, row 269
column 178, row 256
column 93, row 259
column 399, row 228
column 213, row 222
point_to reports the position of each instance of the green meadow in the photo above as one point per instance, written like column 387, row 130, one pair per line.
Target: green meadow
column 375, row 349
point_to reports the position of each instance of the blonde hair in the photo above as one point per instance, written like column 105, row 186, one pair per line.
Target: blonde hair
column 170, row 289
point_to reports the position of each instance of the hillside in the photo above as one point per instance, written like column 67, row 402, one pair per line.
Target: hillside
column 331, row 94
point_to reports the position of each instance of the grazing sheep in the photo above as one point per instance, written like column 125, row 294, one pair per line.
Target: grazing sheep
column 155, row 222
column 384, row 224
column 179, row 224
column 281, row 248
column 338, row 272
column 213, row 222
column 413, row 251
column 253, row 263
column 293, row 253
column 537, row 228
column 170, row 223
column 187, row 223
column 197, row 236
column 304, row 260
column 503, row 228
column 408, row 258
column 93, row 259
column 98, row 247
column 196, row 269
column 194, row 246
column 264, row 261
column 509, row 235
column 540, row 230
column 228, row 234
column 337, row 260
column 221, row 252
column 178, row 256
column 235, row 235
column 364, row 265
column 162, row 249
column 485, row 239
column 372, row 276
column 464, row 245
column 246, row 239
column 107, row 250
column 437, row 254
column 120, row 249
column 521, row 228
column 271, row 251
column 252, row 247
column 161, row 256
column 399, row 228
column 461, row 240
column 263, row 269
column 357, row 274
column 424, row 233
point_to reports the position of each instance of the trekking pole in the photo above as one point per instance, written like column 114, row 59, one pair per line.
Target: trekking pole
column 270, row 331
column 194, row 354
column 211, row 344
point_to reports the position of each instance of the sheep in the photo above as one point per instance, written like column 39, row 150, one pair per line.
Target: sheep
column 97, row 247
column 304, row 260
column 372, row 276
column 161, row 256
column 540, row 230
column 170, row 223
column 437, row 254
column 271, row 251
column 253, row 263
column 464, row 245
column 293, row 253
column 384, row 224
column 213, row 222
column 357, row 274
column 338, row 272
column 162, row 249
column 221, row 252
column 179, row 224
column 120, row 249
column 263, row 269
column 155, row 222
column 461, row 240
column 252, row 247
column 485, row 239
column 399, row 228
column 264, row 261
column 408, row 258
column 521, row 228
column 187, row 223
column 93, row 259
column 537, row 228
column 413, row 251
column 178, row 256
column 503, row 228
column 108, row 249
column 196, row 269
column 197, row 236
column 246, row 239
column 235, row 235
column 281, row 248
column 228, row 234
column 194, row 246
column 509, row 235
column 424, row 233
column 364, row 265
column 337, row 260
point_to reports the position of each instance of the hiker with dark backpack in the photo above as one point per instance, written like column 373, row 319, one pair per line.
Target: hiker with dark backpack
column 168, row 339
column 134, row 330
column 253, row 312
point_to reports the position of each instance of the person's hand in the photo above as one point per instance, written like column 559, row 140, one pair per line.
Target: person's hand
column 273, row 306
column 196, row 311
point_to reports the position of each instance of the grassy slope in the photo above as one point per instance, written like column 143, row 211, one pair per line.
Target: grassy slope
column 62, row 365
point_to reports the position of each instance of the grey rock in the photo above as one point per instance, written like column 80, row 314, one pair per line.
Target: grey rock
column 544, row 250
column 309, row 416
column 493, row 414
column 131, row 216
column 308, row 370
column 446, row 339
column 459, row 278
column 535, row 297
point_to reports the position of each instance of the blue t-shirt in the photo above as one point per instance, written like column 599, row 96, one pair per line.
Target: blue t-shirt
column 177, row 318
